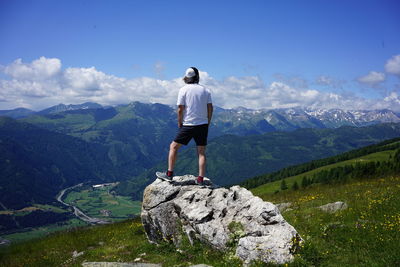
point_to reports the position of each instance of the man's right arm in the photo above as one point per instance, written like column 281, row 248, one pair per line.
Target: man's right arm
column 180, row 115
column 210, row 110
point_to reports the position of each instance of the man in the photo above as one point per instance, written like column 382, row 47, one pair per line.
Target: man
column 194, row 116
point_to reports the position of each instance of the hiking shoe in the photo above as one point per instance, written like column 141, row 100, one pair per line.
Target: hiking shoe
column 164, row 176
column 199, row 180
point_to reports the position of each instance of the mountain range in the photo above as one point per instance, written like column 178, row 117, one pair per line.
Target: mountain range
column 244, row 121
column 232, row 159
column 35, row 164
column 67, row 144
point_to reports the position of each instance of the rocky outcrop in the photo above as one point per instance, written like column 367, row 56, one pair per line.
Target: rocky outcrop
column 284, row 206
column 4, row 242
column 128, row 264
column 119, row 264
column 334, row 207
column 220, row 217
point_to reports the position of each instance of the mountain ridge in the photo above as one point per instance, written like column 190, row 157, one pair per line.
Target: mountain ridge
column 242, row 157
column 252, row 121
column 36, row 163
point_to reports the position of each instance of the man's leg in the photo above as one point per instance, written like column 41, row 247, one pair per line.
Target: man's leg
column 201, row 151
column 173, row 154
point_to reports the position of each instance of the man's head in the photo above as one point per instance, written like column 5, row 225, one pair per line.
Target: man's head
column 192, row 75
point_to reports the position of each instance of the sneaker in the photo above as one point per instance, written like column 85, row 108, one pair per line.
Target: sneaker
column 164, row 176
column 199, row 180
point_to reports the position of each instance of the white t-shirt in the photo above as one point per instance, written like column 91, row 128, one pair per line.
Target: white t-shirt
column 195, row 98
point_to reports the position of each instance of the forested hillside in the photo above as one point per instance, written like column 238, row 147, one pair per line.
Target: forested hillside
column 35, row 163
column 359, row 169
column 232, row 159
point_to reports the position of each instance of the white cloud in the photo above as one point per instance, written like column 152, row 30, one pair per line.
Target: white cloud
column 393, row 97
column 43, row 83
column 373, row 78
column 83, row 78
column 42, row 68
column 393, row 65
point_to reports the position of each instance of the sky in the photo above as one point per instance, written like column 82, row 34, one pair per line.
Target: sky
column 258, row 54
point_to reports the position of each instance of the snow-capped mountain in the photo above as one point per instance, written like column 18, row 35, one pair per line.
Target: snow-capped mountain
column 337, row 117
column 63, row 107
column 293, row 118
column 244, row 121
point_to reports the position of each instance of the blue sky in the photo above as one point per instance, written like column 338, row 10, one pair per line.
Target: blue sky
column 259, row 54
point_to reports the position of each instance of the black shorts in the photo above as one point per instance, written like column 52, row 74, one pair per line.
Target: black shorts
column 198, row 132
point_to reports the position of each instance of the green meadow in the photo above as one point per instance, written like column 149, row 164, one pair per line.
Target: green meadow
column 90, row 201
column 275, row 186
column 366, row 233
column 40, row 232
column 93, row 200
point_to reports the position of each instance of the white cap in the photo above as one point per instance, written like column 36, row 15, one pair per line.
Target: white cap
column 190, row 73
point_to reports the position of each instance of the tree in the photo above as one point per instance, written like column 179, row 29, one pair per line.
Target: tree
column 305, row 182
column 295, row 186
column 283, row 185
column 397, row 156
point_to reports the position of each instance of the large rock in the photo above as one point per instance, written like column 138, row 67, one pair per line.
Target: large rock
column 334, row 207
column 218, row 216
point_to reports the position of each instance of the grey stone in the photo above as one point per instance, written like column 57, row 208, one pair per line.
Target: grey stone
column 119, row 264
column 4, row 242
column 284, row 206
column 217, row 216
column 334, row 207
column 76, row 254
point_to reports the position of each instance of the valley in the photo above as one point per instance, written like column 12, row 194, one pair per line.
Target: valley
column 83, row 205
column 98, row 204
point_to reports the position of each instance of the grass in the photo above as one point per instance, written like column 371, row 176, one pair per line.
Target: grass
column 50, row 208
column 118, row 242
column 76, row 122
column 92, row 201
column 276, row 185
column 365, row 234
column 32, row 233
column 89, row 201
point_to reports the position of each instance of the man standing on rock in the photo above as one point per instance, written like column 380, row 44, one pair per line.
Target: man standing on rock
column 195, row 110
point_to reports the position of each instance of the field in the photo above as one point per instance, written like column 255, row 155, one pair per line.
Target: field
column 90, row 201
column 273, row 187
column 40, row 232
column 365, row 234
column 94, row 200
